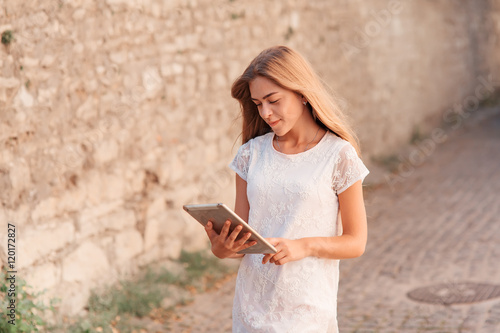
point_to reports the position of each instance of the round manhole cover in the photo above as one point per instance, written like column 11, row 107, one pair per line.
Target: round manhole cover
column 455, row 293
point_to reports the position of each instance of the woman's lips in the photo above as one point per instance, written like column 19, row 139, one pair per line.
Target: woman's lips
column 274, row 123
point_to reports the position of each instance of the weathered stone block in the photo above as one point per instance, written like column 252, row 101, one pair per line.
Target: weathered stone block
column 152, row 81
column 23, row 98
column 10, row 82
column 106, row 151
column 74, row 296
column 156, row 207
column 118, row 57
column 3, row 219
column 127, row 245
column 119, row 220
column 93, row 187
column 171, row 248
column 175, row 168
column 86, row 264
column 151, row 233
column 20, row 175
column 195, row 238
column 36, row 243
column 91, row 220
column 71, row 201
column 154, row 218
column 174, row 222
column 135, row 180
column 185, row 195
column 79, row 14
column 113, row 186
column 48, row 60
column 149, row 256
column 45, row 96
column 43, row 277
column 44, row 210
column 18, row 217
column 211, row 153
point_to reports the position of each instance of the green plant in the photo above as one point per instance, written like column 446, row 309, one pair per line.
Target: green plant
column 7, row 37
column 27, row 314
column 115, row 306
column 202, row 270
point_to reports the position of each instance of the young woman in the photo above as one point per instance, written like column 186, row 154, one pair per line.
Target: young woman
column 298, row 183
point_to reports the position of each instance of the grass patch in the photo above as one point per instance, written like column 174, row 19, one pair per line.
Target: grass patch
column 202, row 271
column 116, row 308
column 25, row 314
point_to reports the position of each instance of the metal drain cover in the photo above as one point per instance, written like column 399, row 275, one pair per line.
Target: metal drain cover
column 455, row 293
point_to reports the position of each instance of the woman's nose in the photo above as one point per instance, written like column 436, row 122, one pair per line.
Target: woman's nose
column 265, row 110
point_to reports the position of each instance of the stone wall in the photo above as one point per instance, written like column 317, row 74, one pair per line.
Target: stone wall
column 115, row 113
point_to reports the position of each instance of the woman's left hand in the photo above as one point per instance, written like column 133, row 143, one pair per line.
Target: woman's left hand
column 288, row 250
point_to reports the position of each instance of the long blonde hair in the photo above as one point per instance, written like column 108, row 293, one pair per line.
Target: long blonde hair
column 288, row 69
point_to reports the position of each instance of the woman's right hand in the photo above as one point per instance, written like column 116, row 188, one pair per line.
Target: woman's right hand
column 225, row 245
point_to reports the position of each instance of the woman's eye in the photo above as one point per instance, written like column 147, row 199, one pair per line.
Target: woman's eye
column 257, row 105
column 272, row 102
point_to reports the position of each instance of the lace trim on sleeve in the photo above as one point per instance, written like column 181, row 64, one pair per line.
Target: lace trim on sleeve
column 348, row 169
column 241, row 161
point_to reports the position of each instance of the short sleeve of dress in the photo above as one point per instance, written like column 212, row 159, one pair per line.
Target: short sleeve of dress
column 348, row 169
column 241, row 161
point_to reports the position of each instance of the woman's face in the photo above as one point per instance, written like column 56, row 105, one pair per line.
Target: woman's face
column 279, row 107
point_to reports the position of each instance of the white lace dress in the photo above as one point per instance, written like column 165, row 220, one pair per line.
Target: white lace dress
column 292, row 196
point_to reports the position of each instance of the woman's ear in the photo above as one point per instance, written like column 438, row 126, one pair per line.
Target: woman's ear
column 303, row 99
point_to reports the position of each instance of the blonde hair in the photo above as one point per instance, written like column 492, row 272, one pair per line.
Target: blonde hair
column 288, row 69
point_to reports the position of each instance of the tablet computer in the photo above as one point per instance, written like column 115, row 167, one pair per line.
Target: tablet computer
column 218, row 213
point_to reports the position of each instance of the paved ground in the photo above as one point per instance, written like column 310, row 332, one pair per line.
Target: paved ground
column 439, row 224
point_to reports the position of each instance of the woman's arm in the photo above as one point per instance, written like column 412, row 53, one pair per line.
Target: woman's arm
column 350, row 244
column 225, row 245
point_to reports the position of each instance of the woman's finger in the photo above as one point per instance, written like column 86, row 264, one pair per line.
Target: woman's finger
column 243, row 243
column 277, row 257
column 246, row 246
column 281, row 261
column 209, row 230
column 244, row 239
column 266, row 258
column 225, row 229
column 235, row 233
